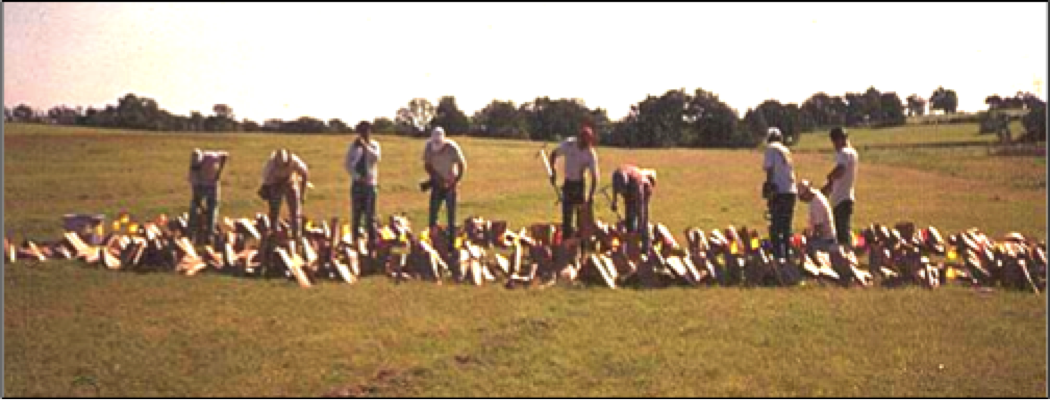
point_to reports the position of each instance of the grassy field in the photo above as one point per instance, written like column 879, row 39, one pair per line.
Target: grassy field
column 165, row 335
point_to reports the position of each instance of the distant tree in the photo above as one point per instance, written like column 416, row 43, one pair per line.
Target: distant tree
column 818, row 108
column 662, row 121
column 223, row 111
column 383, row 125
column 273, row 125
column 336, row 125
column 23, row 113
column 250, row 126
column 548, row 119
column 892, row 110
column 448, row 116
column 945, row 100
column 1035, row 121
column 712, row 122
column 500, row 119
column 415, row 118
column 916, row 105
column 786, row 118
column 63, row 115
column 196, row 121
column 855, row 109
column 755, row 126
column 8, row 115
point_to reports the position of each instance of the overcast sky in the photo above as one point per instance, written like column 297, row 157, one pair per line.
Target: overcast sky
column 360, row 61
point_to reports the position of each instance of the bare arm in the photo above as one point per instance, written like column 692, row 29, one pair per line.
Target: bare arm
column 594, row 181
column 554, row 171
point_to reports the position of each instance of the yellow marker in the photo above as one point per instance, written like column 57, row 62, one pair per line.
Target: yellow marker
column 732, row 247
column 309, row 225
column 124, row 218
column 952, row 255
column 754, row 243
column 346, row 229
column 950, row 273
column 424, row 236
column 615, row 242
column 98, row 230
column 133, row 227
column 459, row 242
column 116, row 226
column 387, row 234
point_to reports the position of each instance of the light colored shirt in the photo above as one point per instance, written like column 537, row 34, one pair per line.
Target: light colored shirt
column 778, row 158
column 208, row 173
column 842, row 188
column 444, row 161
column 372, row 154
column 820, row 214
column 577, row 160
column 295, row 172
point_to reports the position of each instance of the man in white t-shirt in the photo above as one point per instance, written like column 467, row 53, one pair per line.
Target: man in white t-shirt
column 839, row 187
column 361, row 162
column 579, row 156
column 445, row 165
column 779, row 189
column 821, row 221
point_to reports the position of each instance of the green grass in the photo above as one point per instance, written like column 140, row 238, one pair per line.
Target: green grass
column 164, row 335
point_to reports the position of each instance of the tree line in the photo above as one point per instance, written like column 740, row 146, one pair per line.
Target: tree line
column 676, row 118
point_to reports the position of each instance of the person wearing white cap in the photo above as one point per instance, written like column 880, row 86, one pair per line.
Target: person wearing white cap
column 444, row 162
column 205, row 169
column 779, row 190
column 285, row 176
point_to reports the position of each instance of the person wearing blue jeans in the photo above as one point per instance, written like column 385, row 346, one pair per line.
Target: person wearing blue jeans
column 636, row 186
column 444, row 162
column 780, row 191
column 361, row 161
column 205, row 170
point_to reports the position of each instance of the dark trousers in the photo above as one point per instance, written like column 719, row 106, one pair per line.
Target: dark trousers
column 205, row 201
column 438, row 195
column 363, row 204
column 781, row 210
column 571, row 200
column 636, row 217
column 843, row 211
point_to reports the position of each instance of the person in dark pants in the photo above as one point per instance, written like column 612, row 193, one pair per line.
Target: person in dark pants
column 636, row 186
column 579, row 156
column 780, row 191
column 444, row 162
column 840, row 184
column 205, row 169
column 361, row 161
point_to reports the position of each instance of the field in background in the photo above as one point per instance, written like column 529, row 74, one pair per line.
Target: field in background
column 164, row 335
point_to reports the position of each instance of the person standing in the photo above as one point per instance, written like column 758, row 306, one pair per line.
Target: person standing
column 636, row 186
column 361, row 161
column 579, row 156
column 205, row 169
column 285, row 176
column 840, row 184
column 779, row 190
column 445, row 165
